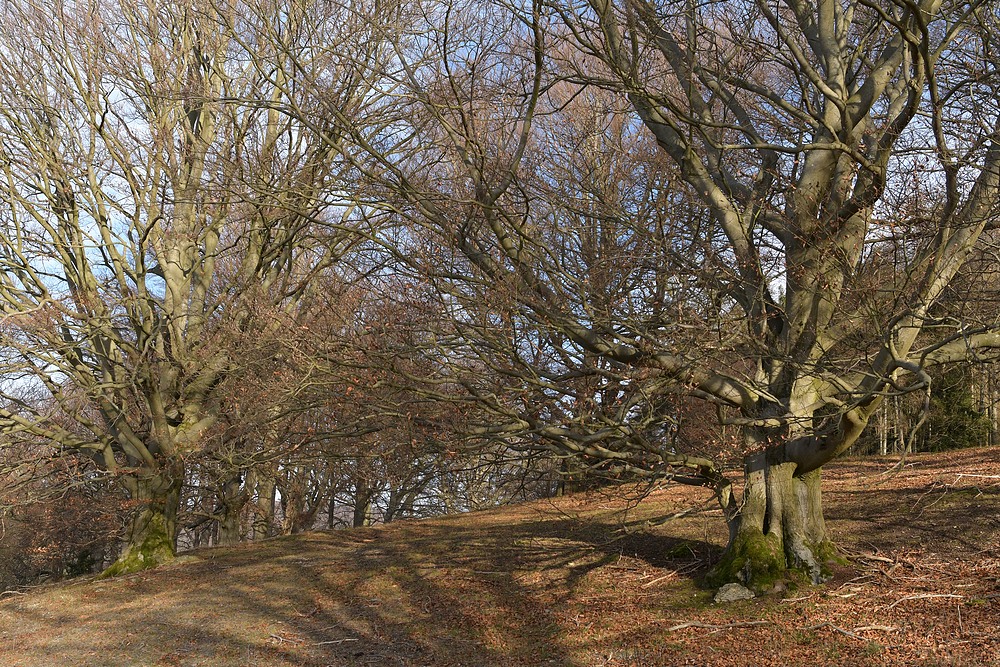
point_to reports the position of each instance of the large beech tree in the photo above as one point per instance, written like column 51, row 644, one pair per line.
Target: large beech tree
column 817, row 136
column 153, row 206
column 757, row 204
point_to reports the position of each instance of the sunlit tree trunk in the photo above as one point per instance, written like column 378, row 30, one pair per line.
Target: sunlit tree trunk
column 777, row 526
column 151, row 532
column 264, row 504
column 232, row 500
column 362, row 512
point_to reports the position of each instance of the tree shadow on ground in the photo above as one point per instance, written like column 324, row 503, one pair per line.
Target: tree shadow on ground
column 935, row 518
column 534, row 585
column 450, row 591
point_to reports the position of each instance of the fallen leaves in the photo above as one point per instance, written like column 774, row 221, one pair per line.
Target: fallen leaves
column 558, row 582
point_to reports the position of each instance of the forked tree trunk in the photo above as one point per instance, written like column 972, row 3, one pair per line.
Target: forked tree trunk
column 778, row 527
column 151, row 535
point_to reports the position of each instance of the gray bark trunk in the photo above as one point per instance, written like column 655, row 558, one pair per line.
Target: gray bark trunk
column 362, row 504
column 778, row 528
column 232, row 500
column 151, row 536
column 263, row 524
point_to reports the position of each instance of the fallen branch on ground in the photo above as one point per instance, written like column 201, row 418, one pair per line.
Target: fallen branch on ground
column 852, row 634
column 924, row 596
column 659, row 579
column 709, row 626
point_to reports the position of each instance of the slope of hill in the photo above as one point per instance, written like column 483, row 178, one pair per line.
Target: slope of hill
column 558, row 583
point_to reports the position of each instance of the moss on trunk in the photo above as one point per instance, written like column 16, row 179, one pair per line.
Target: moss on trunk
column 153, row 547
column 152, row 532
column 753, row 559
column 778, row 533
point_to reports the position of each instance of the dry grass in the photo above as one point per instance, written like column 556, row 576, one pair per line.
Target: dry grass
column 556, row 583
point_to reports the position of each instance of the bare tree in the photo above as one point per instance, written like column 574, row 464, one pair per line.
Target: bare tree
column 814, row 132
column 152, row 201
column 622, row 202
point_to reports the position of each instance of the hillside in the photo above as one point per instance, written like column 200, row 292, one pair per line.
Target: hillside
column 557, row 583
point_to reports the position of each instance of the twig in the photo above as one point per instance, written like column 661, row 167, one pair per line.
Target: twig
column 655, row 523
column 881, row 559
column 857, row 582
column 709, row 626
column 849, row 633
column 335, row 641
column 690, row 568
column 659, row 579
column 924, row 596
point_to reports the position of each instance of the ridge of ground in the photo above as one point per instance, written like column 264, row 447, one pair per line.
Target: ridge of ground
column 605, row 578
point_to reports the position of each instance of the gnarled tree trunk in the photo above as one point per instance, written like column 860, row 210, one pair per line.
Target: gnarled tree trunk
column 363, row 495
column 151, row 535
column 265, row 491
column 777, row 527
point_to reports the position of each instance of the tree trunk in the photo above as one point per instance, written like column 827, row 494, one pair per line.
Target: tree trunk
column 572, row 478
column 263, row 521
column 232, row 498
column 362, row 504
column 883, row 430
column 151, row 536
column 293, row 502
column 361, row 514
column 331, row 513
column 779, row 527
column 392, row 505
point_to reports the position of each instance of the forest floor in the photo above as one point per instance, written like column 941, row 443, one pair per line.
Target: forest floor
column 558, row 582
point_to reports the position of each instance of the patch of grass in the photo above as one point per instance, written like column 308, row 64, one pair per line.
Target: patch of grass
column 682, row 549
column 872, row 649
column 832, row 650
column 803, row 637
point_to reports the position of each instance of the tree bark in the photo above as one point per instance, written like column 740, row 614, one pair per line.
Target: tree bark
column 778, row 528
column 232, row 498
column 151, row 536
column 362, row 504
column 263, row 521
